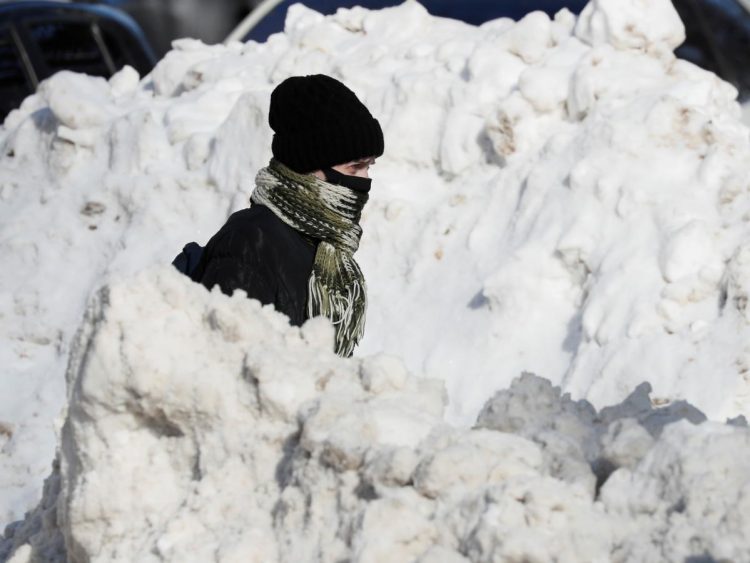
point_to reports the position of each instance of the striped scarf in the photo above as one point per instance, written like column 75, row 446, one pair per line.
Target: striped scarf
column 330, row 214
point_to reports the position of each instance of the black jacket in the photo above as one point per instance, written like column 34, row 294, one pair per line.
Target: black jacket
column 258, row 252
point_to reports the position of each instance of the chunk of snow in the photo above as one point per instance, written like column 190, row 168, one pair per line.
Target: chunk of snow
column 631, row 24
column 174, row 447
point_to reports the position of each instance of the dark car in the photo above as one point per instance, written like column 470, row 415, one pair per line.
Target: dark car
column 37, row 39
column 718, row 31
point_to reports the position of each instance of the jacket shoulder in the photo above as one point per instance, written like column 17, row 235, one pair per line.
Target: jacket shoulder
column 259, row 253
column 255, row 218
column 254, row 227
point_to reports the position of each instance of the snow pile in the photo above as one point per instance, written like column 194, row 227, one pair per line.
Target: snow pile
column 203, row 427
column 557, row 196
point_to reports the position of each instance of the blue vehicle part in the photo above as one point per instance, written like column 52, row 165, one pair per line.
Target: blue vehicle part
column 40, row 38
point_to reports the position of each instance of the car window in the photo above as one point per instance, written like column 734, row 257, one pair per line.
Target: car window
column 14, row 84
column 38, row 40
column 68, row 45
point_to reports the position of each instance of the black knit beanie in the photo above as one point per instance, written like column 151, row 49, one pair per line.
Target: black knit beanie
column 318, row 123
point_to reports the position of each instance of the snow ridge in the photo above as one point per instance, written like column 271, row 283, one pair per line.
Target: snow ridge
column 233, row 436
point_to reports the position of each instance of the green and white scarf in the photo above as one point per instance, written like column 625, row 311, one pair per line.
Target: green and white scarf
column 330, row 214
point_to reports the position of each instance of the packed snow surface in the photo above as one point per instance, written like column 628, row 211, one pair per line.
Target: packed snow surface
column 562, row 197
column 234, row 437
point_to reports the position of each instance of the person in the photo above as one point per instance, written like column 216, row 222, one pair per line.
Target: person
column 294, row 246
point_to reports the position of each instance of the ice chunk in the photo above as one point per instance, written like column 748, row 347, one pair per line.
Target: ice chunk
column 631, row 24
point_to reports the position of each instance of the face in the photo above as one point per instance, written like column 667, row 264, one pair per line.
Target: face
column 360, row 167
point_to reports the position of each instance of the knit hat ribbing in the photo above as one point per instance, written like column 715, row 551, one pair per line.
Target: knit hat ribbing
column 318, row 122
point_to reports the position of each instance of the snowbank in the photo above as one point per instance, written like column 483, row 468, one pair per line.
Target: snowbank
column 202, row 427
column 557, row 196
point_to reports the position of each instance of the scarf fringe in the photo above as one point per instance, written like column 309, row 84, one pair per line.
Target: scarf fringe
column 345, row 310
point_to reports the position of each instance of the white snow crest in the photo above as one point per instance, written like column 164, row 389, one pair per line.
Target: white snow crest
column 631, row 24
column 190, row 409
column 204, row 427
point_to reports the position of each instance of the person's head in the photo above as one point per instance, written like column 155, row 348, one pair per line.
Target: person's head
column 319, row 124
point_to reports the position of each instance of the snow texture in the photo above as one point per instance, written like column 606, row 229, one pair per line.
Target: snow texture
column 557, row 196
column 202, row 427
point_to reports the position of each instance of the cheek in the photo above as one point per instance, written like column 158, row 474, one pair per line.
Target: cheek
column 361, row 173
